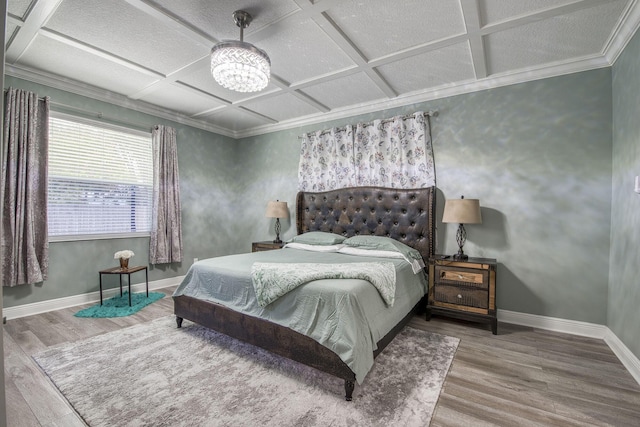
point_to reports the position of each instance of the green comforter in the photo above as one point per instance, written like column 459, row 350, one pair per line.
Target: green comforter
column 348, row 316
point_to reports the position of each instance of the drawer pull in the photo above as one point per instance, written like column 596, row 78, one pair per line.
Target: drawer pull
column 459, row 296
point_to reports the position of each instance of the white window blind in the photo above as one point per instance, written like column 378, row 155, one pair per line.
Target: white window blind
column 100, row 180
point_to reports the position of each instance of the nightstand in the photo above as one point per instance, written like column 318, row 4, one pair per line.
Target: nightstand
column 463, row 289
column 265, row 246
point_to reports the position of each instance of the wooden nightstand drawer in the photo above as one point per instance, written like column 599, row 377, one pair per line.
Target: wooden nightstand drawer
column 464, row 277
column 460, row 295
column 461, row 276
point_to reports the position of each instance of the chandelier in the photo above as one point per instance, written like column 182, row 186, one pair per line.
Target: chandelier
column 238, row 65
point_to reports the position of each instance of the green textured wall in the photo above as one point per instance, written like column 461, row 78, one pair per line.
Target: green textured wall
column 624, row 278
column 537, row 155
column 208, row 188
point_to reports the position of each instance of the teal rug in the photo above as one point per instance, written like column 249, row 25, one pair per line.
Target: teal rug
column 118, row 306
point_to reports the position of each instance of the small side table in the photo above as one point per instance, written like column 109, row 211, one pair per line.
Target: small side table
column 127, row 271
column 268, row 245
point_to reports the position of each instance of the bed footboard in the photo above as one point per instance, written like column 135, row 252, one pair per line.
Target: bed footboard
column 267, row 335
column 275, row 338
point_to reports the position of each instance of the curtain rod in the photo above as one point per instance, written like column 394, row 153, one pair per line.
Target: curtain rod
column 64, row 108
column 429, row 113
column 39, row 98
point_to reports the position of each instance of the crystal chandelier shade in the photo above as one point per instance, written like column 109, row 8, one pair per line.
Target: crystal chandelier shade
column 238, row 65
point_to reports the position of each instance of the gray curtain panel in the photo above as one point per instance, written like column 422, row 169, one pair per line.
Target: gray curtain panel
column 24, row 189
column 165, row 245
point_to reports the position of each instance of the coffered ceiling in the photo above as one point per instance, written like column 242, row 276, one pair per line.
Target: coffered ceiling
column 330, row 58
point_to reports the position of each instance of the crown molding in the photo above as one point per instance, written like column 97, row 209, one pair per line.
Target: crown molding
column 444, row 91
column 431, row 94
column 624, row 32
column 88, row 91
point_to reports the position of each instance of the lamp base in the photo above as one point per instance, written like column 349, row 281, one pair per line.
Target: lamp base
column 460, row 256
column 277, row 231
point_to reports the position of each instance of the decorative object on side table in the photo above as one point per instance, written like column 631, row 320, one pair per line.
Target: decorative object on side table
column 463, row 289
column 123, row 256
column 463, row 211
column 277, row 210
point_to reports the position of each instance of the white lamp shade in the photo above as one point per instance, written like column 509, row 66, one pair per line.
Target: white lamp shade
column 462, row 211
column 277, row 209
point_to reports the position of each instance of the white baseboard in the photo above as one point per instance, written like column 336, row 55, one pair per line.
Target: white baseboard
column 628, row 359
column 574, row 327
column 75, row 300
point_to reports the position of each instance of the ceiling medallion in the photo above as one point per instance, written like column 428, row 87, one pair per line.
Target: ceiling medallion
column 240, row 66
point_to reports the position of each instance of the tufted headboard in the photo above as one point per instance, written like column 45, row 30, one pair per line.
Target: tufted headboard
column 405, row 215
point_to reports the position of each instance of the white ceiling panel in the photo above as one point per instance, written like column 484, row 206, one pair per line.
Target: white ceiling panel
column 498, row 10
column 237, row 120
column 330, row 58
column 302, row 50
column 52, row 56
column 432, row 69
column 18, row 8
column 350, row 90
column 556, row 39
column 216, row 18
column 281, row 107
column 138, row 38
column 10, row 30
column 378, row 28
column 182, row 100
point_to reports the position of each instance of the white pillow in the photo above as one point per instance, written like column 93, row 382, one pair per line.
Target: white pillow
column 416, row 265
column 314, row 248
column 369, row 252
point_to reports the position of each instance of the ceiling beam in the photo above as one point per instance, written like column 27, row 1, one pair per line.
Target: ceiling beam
column 472, row 20
column 36, row 18
column 174, row 22
column 332, row 29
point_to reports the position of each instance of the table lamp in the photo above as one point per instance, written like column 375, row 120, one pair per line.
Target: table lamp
column 277, row 210
column 463, row 211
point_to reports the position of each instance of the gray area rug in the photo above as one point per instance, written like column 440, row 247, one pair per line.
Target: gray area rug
column 154, row 374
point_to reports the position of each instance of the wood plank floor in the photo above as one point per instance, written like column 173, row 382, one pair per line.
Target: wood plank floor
column 521, row 377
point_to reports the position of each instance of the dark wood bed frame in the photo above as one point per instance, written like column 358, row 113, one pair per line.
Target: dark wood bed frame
column 405, row 215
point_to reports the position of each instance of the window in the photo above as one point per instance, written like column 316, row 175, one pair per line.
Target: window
column 100, row 180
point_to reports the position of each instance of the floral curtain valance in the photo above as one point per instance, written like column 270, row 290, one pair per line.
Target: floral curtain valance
column 394, row 153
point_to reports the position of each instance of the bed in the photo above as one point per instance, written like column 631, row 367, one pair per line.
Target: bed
column 406, row 216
